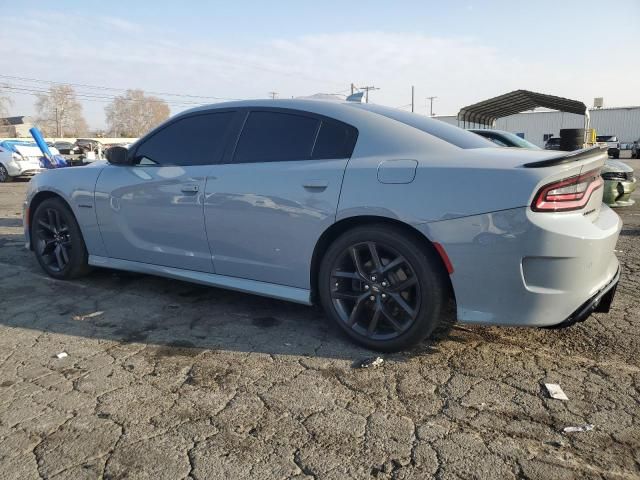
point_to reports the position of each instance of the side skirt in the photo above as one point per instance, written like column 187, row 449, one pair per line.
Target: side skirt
column 271, row 290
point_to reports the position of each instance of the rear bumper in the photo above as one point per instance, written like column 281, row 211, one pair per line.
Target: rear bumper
column 600, row 302
column 521, row 268
column 23, row 169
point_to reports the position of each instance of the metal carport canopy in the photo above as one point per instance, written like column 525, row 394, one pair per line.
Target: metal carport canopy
column 488, row 111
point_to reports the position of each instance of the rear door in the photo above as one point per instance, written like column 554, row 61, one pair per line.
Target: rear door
column 271, row 199
column 152, row 211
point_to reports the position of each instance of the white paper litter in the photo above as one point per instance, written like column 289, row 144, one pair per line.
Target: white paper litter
column 371, row 362
column 62, row 355
column 88, row 315
column 555, row 391
column 583, row 428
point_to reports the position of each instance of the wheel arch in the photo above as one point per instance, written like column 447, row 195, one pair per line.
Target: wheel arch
column 36, row 201
column 338, row 228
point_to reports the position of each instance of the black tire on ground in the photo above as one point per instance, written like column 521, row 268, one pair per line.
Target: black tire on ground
column 57, row 241
column 616, row 155
column 392, row 296
column 4, row 175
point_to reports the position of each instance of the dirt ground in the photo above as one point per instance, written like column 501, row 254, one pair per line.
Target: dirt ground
column 165, row 379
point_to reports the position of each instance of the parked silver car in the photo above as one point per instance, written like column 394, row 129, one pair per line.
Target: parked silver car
column 382, row 216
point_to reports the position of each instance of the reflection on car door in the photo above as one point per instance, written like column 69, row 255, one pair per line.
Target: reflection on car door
column 152, row 211
column 266, row 207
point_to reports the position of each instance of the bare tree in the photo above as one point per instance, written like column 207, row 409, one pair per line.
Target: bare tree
column 60, row 112
column 5, row 103
column 134, row 113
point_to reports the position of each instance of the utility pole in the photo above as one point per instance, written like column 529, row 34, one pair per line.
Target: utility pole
column 57, row 124
column 366, row 92
column 273, row 95
column 353, row 87
column 431, row 107
column 413, row 90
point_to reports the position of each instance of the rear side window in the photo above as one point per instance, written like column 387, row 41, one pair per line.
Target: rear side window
column 450, row 134
column 335, row 140
column 193, row 140
column 276, row 137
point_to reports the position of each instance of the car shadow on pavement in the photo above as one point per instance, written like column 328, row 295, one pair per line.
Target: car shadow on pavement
column 175, row 317
column 11, row 222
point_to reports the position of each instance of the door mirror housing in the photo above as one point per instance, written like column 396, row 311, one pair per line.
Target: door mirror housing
column 119, row 156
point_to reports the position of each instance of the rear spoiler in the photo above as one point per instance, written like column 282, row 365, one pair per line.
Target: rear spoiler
column 568, row 157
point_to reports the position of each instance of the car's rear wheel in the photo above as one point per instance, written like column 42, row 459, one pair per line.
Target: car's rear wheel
column 4, row 174
column 382, row 287
column 57, row 241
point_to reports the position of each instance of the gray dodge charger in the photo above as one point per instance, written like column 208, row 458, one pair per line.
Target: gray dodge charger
column 381, row 216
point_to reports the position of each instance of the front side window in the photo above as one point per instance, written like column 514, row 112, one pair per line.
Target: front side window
column 194, row 140
column 276, row 137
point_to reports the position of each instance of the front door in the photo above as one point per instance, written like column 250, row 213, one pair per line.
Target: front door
column 152, row 211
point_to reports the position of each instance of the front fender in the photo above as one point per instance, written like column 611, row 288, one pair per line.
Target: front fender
column 76, row 186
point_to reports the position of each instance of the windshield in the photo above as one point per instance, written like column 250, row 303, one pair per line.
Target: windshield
column 505, row 139
column 519, row 141
column 606, row 138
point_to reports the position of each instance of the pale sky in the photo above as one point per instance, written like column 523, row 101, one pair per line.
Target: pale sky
column 460, row 51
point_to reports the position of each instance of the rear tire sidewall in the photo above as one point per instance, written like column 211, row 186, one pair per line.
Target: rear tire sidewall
column 426, row 265
column 78, row 256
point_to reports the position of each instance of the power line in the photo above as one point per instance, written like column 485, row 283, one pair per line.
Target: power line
column 27, row 89
column 113, row 89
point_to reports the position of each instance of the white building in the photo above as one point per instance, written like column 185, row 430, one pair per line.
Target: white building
column 538, row 126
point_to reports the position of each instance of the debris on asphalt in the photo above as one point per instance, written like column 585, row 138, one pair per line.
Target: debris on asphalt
column 371, row 362
column 555, row 391
column 88, row 315
column 62, row 355
column 584, row 428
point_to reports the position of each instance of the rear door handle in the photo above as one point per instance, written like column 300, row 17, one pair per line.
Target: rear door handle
column 315, row 184
column 190, row 188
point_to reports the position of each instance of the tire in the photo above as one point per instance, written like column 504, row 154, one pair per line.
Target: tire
column 4, row 174
column 616, row 156
column 571, row 139
column 57, row 241
column 367, row 304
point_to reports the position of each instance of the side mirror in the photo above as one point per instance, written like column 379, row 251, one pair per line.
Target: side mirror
column 118, row 156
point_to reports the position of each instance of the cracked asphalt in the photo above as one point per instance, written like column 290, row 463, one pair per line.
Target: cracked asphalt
column 165, row 379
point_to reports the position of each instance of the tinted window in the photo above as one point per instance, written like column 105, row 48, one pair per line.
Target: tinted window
column 335, row 140
column 195, row 140
column 450, row 134
column 275, row 136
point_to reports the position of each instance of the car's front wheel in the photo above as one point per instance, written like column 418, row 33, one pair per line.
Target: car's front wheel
column 4, row 174
column 383, row 287
column 57, row 241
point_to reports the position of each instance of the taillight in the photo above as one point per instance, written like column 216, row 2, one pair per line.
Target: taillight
column 572, row 193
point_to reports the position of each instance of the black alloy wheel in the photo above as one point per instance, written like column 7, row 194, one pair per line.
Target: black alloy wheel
column 57, row 240
column 375, row 291
column 54, row 240
column 383, row 287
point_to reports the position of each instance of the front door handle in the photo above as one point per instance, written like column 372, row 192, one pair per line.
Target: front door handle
column 315, row 184
column 189, row 188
